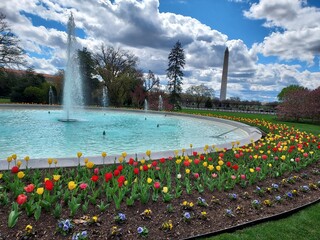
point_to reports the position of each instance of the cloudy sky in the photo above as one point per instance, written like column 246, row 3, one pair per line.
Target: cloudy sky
column 272, row 43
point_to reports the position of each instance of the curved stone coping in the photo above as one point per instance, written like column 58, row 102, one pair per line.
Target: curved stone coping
column 255, row 222
column 254, row 134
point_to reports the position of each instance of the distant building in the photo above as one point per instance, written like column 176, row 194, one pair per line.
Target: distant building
column 223, row 91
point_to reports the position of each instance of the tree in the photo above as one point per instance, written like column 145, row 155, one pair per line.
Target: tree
column 151, row 82
column 200, row 93
column 174, row 73
column 10, row 52
column 286, row 90
column 118, row 69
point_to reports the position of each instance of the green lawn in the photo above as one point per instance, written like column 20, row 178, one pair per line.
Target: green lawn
column 308, row 127
column 302, row 225
column 5, row 100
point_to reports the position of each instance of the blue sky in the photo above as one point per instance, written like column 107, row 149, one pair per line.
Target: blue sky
column 272, row 43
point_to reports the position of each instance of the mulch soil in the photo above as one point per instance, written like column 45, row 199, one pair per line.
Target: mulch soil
column 217, row 219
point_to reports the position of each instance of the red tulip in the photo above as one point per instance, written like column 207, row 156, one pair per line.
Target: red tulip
column 94, row 178
column 15, row 169
column 21, row 199
column 154, row 163
column 156, row 185
column 120, row 168
column 145, row 168
column 196, row 161
column 116, row 172
column 108, row 176
column 235, row 167
column 48, row 185
column 29, row 188
column 136, row 171
column 162, row 160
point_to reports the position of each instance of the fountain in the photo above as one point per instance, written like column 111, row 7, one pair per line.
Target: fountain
column 51, row 96
column 105, row 101
column 160, row 104
column 72, row 91
column 145, row 105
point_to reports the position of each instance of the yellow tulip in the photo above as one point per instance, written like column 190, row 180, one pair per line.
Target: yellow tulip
column 283, row 157
column 220, row 163
column 19, row 163
column 251, row 170
column 218, row 168
column 124, row 154
column 120, row 159
column 55, row 161
column 9, row 159
column 142, row 161
column 72, row 185
column 79, row 154
column 26, row 158
column 103, row 154
column 56, row 177
column 40, row 190
column 187, row 171
column 165, row 189
column 205, row 164
column 210, row 167
column 1, row 175
column 86, row 160
column 20, row 174
column 149, row 180
column 50, row 160
column 14, row 156
column 148, row 153
column 89, row 165
column 191, row 145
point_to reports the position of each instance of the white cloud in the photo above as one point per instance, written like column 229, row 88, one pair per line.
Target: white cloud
column 297, row 29
column 139, row 27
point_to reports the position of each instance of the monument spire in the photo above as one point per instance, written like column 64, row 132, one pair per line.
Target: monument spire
column 223, row 91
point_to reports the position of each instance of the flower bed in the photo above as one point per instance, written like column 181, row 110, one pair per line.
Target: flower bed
column 178, row 197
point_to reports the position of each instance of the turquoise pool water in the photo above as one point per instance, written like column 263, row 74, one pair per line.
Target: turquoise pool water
column 39, row 134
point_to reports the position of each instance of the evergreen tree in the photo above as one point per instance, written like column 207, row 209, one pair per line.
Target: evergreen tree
column 174, row 73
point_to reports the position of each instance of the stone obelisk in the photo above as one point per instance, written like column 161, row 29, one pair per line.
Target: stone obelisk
column 223, row 91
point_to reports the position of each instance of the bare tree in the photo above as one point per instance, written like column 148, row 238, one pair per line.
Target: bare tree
column 11, row 54
column 118, row 70
column 200, row 93
column 151, row 82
